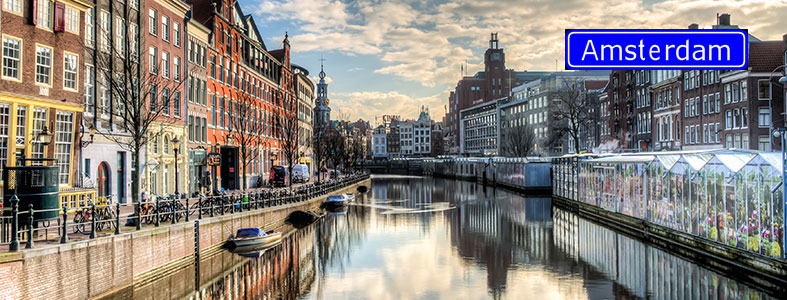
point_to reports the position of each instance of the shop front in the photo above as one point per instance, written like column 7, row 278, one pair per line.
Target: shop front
column 198, row 171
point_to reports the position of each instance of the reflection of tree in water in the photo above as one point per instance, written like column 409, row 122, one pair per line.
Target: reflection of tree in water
column 282, row 272
column 335, row 237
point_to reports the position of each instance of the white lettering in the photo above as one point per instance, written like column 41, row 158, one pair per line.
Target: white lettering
column 718, row 48
column 698, row 50
column 631, row 52
column 590, row 45
column 654, row 49
column 611, row 49
column 685, row 47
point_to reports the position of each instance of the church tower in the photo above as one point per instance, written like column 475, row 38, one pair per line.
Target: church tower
column 322, row 113
column 495, row 69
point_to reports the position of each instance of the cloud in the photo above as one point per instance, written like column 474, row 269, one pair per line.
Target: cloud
column 371, row 104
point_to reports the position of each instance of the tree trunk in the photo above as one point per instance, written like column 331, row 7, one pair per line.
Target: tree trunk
column 135, row 177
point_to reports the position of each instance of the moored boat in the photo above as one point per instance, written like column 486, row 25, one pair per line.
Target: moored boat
column 339, row 200
column 248, row 237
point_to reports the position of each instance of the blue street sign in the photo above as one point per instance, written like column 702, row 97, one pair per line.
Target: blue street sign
column 649, row 49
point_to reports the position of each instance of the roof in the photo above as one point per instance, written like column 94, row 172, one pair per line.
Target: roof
column 765, row 56
column 278, row 54
column 595, row 84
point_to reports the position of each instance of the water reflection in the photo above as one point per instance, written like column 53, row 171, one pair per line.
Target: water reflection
column 479, row 244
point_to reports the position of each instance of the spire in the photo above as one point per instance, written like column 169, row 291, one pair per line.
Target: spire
column 322, row 71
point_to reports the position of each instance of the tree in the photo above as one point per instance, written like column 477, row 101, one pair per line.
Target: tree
column 570, row 115
column 355, row 148
column 140, row 97
column 519, row 140
column 288, row 133
column 246, row 130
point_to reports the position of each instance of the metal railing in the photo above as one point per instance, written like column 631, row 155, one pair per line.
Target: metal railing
column 105, row 217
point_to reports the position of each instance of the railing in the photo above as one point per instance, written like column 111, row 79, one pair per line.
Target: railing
column 103, row 217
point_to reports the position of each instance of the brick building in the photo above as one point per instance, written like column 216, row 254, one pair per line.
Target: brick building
column 41, row 88
column 246, row 83
column 198, row 111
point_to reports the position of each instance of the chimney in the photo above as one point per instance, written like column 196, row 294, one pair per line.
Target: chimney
column 784, row 38
column 694, row 26
column 724, row 19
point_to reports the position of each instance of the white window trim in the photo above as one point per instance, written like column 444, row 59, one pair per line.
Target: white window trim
column 21, row 58
column 76, row 72
column 51, row 66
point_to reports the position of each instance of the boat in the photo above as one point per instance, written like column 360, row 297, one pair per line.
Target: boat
column 336, row 211
column 253, row 251
column 245, row 237
column 338, row 200
column 300, row 219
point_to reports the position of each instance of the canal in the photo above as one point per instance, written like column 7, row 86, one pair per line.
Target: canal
column 426, row 238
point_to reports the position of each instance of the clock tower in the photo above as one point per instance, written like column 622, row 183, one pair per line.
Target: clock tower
column 495, row 70
column 322, row 113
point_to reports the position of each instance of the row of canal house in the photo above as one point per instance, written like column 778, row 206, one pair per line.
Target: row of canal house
column 698, row 109
column 206, row 73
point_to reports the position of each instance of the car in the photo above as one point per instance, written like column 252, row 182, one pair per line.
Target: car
column 300, row 173
column 278, row 176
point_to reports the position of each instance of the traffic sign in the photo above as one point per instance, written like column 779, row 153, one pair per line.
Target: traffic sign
column 214, row 159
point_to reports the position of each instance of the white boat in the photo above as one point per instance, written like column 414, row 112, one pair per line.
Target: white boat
column 246, row 237
column 339, row 200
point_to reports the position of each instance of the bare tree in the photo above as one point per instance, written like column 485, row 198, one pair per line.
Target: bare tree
column 519, row 140
column 355, row 148
column 140, row 95
column 288, row 134
column 245, row 129
column 570, row 116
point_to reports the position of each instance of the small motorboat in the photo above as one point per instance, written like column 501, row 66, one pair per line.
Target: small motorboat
column 253, row 251
column 246, row 237
column 336, row 211
column 338, row 200
column 300, row 219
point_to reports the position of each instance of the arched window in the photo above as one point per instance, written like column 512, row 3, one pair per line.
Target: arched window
column 166, row 144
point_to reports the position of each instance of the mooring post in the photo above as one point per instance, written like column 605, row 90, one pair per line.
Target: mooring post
column 15, row 226
column 30, row 227
column 187, row 209
column 93, row 220
column 64, row 231
column 117, row 217
column 158, row 214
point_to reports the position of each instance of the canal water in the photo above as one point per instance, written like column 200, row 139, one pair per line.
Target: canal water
column 426, row 238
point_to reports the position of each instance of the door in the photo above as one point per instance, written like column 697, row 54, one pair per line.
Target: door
column 229, row 168
column 102, row 179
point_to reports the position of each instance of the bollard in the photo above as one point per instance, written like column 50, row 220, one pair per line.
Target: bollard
column 199, row 208
column 29, row 227
column 158, row 214
column 117, row 217
column 64, row 232
column 15, row 225
column 187, row 209
column 93, row 221
column 172, row 208
column 232, row 204
column 211, row 208
column 138, row 211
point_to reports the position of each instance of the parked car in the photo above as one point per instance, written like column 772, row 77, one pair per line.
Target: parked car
column 300, row 173
column 278, row 176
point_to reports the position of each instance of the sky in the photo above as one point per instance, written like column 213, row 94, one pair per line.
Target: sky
column 393, row 57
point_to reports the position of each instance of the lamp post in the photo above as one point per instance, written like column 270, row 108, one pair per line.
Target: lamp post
column 770, row 101
column 782, row 133
column 213, row 167
column 83, row 145
column 176, row 146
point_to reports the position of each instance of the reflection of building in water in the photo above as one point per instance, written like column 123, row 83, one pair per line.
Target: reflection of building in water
column 638, row 269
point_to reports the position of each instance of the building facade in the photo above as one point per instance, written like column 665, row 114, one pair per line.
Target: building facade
column 422, row 134
column 197, row 106
column 379, row 143
column 305, row 93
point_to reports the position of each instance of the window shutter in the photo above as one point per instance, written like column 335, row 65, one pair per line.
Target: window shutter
column 60, row 17
column 34, row 12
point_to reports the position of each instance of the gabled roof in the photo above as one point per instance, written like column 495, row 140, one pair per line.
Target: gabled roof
column 254, row 32
column 595, row 84
column 765, row 56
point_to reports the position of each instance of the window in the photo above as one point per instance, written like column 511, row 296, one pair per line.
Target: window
column 763, row 89
column 153, row 21
column 14, row 6
column 90, row 99
column 105, row 96
column 727, row 93
column 90, row 38
column 744, row 117
column 165, row 64
column 735, row 92
column 120, row 35
column 70, row 71
column 134, row 40
column 176, row 34
column 716, row 130
column 191, row 51
column 744, row 95
column 764, row 118
column 153, row 60
column 763, row 143
column 736, row 118
column 43, row 65
column 165, row 101
column 39, row 121
column 745, row 141
column 705, row 105
column 72, row 20
column 213, row 109
column 153, row 98
column 103, row 35
column 64, row 134
column 176, row 103
column 212, row 66
column 176, row 68
column 198, row 130
column 12, row 57
column 165, row 28
column 44, row 19
column 729, row 141
column 191, row 128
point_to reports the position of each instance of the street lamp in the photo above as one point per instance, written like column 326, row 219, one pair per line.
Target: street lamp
column 91, row 132
column 770, row 100
column 782, row 133
column 176, row 146
column 45, row 137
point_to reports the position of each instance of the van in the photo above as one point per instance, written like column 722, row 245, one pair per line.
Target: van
column 300, row 173
column 278, row 176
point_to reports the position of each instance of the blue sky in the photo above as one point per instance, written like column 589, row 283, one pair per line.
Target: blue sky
column 391, row 57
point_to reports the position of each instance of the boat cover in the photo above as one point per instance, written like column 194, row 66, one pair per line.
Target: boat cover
column 245, row 232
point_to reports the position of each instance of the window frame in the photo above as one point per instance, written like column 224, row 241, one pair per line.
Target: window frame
column 19, row 60
column 76, row 71
column 51, row 66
